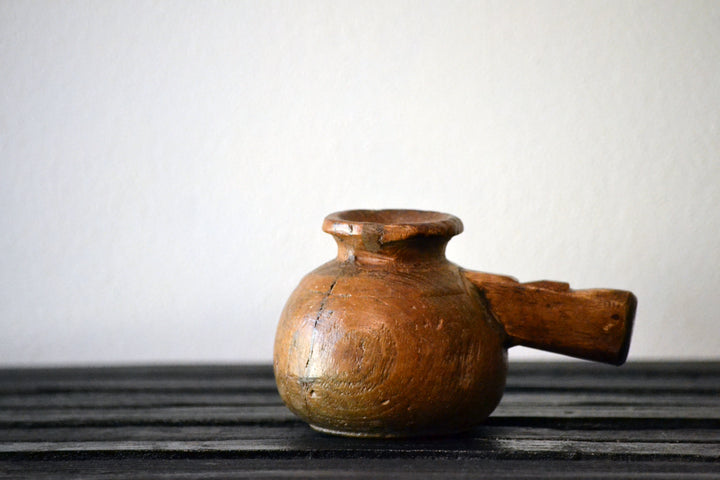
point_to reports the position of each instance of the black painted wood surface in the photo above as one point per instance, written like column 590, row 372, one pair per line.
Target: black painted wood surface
column 556, row 420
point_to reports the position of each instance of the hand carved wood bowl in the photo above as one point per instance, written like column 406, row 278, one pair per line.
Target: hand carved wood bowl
column 390, row 339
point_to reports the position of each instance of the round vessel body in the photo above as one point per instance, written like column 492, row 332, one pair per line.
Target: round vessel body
column 388, row 346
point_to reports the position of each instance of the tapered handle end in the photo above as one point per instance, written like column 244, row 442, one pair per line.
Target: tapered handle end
column 590, row 324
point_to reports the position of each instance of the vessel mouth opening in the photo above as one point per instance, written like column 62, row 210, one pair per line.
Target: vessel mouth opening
column 392, row 224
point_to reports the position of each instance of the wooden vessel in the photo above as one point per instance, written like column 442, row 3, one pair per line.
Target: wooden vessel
column 392, row 339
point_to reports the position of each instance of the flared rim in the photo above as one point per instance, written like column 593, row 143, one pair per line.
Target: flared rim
column 392, row 224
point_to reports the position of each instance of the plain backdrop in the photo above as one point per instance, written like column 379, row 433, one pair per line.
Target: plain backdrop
column 165, row 166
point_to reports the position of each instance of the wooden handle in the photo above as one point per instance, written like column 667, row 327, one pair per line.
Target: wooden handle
column 591, row 324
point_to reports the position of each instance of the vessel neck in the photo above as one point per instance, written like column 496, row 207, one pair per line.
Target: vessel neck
column 416, row 250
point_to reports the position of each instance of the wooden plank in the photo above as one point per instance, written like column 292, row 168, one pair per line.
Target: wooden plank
column 518, row 369
column 528, row 376
column 254, row 413
column 138, row 371
column 110, row 467
column 486, row 448
column 299, row 432
column 279, row 414
column 51, row 385
column 109, row 400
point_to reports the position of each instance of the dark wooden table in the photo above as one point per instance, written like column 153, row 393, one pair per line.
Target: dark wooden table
column 556, row 420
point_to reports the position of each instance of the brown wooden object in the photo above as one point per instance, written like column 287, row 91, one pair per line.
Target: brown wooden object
column 392, row 339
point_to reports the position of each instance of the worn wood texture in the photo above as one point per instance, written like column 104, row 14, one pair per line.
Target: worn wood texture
column 556, row 420
column 390, row 339
column 594, row 324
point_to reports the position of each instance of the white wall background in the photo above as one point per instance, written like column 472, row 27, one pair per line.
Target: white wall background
column 165, row 166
